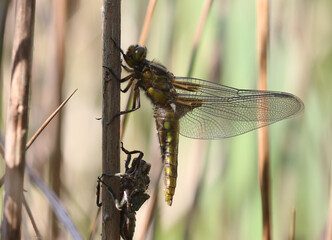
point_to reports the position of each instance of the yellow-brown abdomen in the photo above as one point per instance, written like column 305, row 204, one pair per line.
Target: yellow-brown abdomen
column 168, row 132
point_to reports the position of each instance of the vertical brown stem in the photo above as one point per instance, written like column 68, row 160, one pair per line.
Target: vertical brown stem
column 17, row 119
column 147, row 22
column 58, row 67
column 3, row 15
column 263, row 143
column 292, row 233
column 329, row 223
column 111, row 107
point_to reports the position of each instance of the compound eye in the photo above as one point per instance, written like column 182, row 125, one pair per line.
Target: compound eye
column 139, row 53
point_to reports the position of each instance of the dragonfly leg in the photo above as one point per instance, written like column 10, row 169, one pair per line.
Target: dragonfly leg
column 130, row 78
column 98, row 202
column 118, row 47
column 136, row 105
column 128, row 157
column 118, row 204
column 113, row 73
column 127, row 69
column 99, row 181
column 129, row 153
column 131, row 81
column 123, row 55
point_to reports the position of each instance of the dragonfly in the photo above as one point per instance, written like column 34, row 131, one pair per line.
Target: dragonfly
column 133, row 186
column 196, row 108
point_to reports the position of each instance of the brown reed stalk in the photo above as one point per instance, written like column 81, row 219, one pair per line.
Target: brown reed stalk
column 262, row 15
column 201, row 165
column 59, row 13
column 143, row 37
column 34, row 176
column 329, row 223
column 147, row 22
column 292, row 232
column 2, row 154
column 3, row 15
column 17, row 119
column 111, row 106
column 199, row 30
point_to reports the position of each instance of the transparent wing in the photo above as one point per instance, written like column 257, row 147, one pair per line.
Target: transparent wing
column 226, row 112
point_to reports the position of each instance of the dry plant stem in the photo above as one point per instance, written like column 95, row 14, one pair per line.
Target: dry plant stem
column 292, row 233
column 199, row 30
column 111, row 106
column 94, row 225
column 263, row 143
column 3, row 15
column 147, row 221
column 58, row 55
column 147, row 22
column 2, row 151
column 34, row 225
column 48, row 120
column 192, row 211
column 144, row 34
column 17, row 119
column 199, row 170
column 329, row 223
column 26, row 148
column 2, row 180
column 58, row 208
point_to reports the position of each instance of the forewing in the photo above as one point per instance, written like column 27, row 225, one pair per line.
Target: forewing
column 227, row 112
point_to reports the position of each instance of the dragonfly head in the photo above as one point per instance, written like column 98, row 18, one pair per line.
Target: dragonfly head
column 135, row 55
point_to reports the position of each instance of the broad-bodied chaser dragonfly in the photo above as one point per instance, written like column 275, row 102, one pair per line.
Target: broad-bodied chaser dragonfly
column 197, row 108
column 133, row 186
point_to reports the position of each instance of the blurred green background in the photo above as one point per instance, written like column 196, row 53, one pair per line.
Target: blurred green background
column 229, row 204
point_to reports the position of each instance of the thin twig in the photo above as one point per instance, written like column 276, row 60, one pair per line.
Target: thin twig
column 48, row 120
column 263, row 143
column 32, row 220
column 111, row 107
column 57, row 207
column 55, row 203
column 17, row 119
column 147, row 22
column 94, row 225
column 39, row 179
